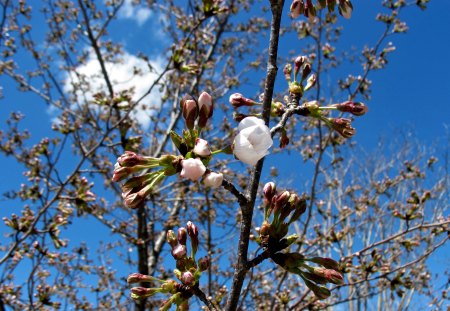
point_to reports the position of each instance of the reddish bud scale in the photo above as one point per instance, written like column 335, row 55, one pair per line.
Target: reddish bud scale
column 355, row 108
column 204, row 263
column 343, row 127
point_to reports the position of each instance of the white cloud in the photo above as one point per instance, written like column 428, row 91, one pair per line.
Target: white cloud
column 129, row 72
column 137, row 13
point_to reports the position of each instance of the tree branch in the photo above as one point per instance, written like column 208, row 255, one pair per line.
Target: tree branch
column 247, row 209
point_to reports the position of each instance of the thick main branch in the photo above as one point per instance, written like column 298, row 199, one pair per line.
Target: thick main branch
column 241, row 268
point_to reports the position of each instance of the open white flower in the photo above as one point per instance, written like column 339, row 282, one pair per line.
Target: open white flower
column 193, row 169
column 253, row 141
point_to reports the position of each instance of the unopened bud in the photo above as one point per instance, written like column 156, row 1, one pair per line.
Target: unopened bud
column 138, row 278
column 171, row 238
column 187, row 278
column 203, row 263
column 298, row 63
column 182, row 236
column 331, row 275
column 201, row 148
column 206, row 108
column 355, row 108
column 342, row 126
column 189, row 110
column 321, row 292
column 143, row 292
column 277, row 109
column 192, row 229
column 328, row 263
column 179, row 251
column 238, row 100
column 287, row 71
column 306, row 71
column 169, row 286
column 269, row 191
column 345, row 8
column 296, row 8
column 284, row 140
column 311, row 82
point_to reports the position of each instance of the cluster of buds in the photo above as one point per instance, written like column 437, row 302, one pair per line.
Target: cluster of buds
column 309, row 10
column 284, row 208
column 314, row 276
column 200, row 110
column 188, row 270
column 280, row 211
column 341, row 125
column 303, row 67
column 179, row 296
column 137, row 188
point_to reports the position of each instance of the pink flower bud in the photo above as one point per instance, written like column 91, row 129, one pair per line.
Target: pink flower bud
column 179, row 251
column 328, row 263
column 296, row 8
column 298, row 63
column 133, row 200
column 192, row 229
column 182, row 235
column 137, row 278
column 238, row 100
column 193, row 169
column 213, row 180
column 190, row 111
column 345, row 8
column 206, row 108
column 143, row 292
column 201, row 148
column 269, row 191
column 330, row 275
column 355, row 108
column 187, row 278
column 306, row 71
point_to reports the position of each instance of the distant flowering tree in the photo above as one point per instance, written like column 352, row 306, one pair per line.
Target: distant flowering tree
column 192, row 216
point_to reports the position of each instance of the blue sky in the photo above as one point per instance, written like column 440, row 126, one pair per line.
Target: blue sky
column 412, row 93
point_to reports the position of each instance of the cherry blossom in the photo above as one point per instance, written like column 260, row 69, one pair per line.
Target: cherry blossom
column 253, row 141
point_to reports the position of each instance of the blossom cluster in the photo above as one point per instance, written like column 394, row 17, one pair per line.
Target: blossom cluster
column 188, row 270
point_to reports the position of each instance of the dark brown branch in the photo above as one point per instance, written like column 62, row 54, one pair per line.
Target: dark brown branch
column 241, row 268
column 242, row 199
column 201, row 295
